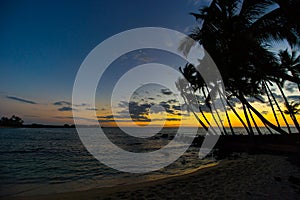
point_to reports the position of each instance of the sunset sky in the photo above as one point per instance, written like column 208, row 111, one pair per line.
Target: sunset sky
column 43, row 44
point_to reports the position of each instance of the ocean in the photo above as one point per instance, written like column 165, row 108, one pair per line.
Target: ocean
column 52, row 160
column 38, row 161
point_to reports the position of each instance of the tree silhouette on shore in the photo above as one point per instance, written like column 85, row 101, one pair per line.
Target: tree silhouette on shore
column 238, row 35
column 14, row 121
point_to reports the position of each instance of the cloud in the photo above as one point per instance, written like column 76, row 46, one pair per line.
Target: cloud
column 294, row 97
column 173, row 119
column 21, row 100
column 65, row 108
column 67, row 103
column 291, row 87
column 176, row 107
column 167, row 107
column 70, row 117
column 60, row 103
column 83, row 104
column 93, row 109
column 172, row 101
column 264, row 112
column 257, row 98
column 166, row 91
column 139, row 112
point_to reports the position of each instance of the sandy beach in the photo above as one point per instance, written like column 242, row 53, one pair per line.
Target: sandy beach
column 240, row 176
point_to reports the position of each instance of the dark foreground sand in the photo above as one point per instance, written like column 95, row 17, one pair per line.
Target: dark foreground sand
column 241, row 177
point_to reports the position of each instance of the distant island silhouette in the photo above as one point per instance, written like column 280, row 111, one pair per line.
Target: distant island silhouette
column 17, row 122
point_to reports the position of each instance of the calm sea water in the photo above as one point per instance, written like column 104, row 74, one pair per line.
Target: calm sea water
column 51, row 160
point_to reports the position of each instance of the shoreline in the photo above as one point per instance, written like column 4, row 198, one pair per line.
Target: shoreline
column 137, row 182
column 246, row 177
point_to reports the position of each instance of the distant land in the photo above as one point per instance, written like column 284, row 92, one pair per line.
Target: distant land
column 17, row 122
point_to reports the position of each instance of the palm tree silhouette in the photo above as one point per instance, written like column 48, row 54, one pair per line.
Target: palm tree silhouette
column 237, row 35
column 292, row 109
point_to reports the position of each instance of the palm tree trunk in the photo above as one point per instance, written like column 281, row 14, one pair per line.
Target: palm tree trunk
column 196, row 116
column 227, row 116
column 254, row 122
column 247, row 119
column 238, row 116
column 291, row 114
column 262, row 118
column 282, row 114
column 219, row 118
column 213, row 116
column 271, row 104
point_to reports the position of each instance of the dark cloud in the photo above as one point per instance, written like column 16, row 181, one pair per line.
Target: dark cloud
column 60, row 103
column 291, row 87
column 122, row 118
column 21, row 100
column 172, row 101
column 70, row 117
column 258, row 98
column 264, row 112
column 65, row 108
column 92, row 109
column 204, row 108
column 176, row 107
column 173, row 119
column 166, row 91
column 83, row 104
column 67, row 103
column 294, row 98
column 277, row 97
column 167, row 107
column 139, row 112
column 106, row 117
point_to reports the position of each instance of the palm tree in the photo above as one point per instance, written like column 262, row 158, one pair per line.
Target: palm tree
column 292, row 109
column 271, row 104
column 236, row 34
column 279, row 109
column 290, row 62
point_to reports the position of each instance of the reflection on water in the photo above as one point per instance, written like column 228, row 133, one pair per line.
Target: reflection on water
column 46, row 160
column 38, row 161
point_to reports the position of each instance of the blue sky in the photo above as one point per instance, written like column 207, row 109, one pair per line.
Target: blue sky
column 43, row 43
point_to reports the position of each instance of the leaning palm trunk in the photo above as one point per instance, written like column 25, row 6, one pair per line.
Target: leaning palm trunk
column 219, row 118
column 239, row 117
column 195, row 115
column 227, row 116
column 271, row 104
column 254, row 122
column 282, row 114
column 247, row 119
column 228, row 119
column 235, row 112
column 213, row 116
column 260, row 116
column 287, row 103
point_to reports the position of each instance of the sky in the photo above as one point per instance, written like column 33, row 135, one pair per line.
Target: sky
column 43, row 44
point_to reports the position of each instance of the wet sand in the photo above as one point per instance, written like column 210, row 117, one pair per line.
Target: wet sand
column 238, row 177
